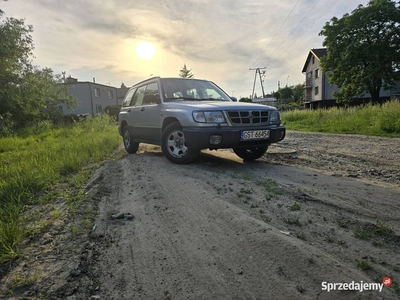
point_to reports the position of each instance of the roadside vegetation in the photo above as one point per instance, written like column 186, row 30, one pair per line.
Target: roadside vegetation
column 379, row 120
column 36, row 160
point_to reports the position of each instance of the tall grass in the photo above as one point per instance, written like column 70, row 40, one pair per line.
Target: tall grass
column 380, row 120
column 37, row 158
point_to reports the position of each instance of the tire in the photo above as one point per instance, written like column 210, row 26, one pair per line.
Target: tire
column 250, row 153
column 174, row 147
column 129, row 144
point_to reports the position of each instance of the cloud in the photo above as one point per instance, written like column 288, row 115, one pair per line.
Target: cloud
column 219, row 40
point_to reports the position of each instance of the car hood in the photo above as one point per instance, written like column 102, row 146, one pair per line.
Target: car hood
column 215, row 105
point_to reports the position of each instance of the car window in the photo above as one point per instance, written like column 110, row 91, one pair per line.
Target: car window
column 137, row 99
column 212, row 93
column 128, row 98
column 152, row 89
column 174, row 88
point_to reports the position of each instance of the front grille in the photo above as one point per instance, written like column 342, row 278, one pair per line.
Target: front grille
column 248, row 117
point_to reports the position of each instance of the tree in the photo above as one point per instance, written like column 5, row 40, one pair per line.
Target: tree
column 363, row 50
column 27, row 94
column 286, row 94
column 298, row 93
column 185, row 73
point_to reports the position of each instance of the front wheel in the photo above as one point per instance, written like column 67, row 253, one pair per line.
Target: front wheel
column 129, row 144
column 174, row 147
column 250, row 153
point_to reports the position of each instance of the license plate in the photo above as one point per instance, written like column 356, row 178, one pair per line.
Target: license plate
column 255, row 135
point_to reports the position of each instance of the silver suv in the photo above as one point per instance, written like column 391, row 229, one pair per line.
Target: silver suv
column 184, row 116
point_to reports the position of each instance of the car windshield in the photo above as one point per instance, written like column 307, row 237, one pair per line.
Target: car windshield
column 175, row 89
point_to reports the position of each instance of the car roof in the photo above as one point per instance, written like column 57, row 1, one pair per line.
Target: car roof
column 161, row 78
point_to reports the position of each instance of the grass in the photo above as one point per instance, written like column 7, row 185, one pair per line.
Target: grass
column 363, row 265
column 271, row 187
column 296, row 206
column 35, row 160
column 379, row 120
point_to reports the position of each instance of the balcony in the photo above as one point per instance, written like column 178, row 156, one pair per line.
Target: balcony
column 308, row 84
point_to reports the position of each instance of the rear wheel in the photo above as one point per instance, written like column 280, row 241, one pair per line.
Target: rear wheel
column 174, row 147
column 129, row 144
column 250, row 153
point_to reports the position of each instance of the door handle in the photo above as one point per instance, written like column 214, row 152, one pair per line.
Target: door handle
column 142, row 109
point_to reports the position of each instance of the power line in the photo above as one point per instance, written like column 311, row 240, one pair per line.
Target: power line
column 307, row 29
column 301, row 21
column 276, row 33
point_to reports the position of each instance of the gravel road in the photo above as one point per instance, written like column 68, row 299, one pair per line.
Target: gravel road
column 317, row 208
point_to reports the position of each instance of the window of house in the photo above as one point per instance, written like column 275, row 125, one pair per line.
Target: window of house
column 316, row 90
column 99, row 109
column 110, row 94
column 313, row 59
column 96, row 92
column 316, row 73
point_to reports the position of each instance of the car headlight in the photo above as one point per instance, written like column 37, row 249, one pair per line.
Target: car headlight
column 209, row 116
column 275, row 117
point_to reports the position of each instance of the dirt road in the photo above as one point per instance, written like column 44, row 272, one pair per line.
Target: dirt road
column 317, row 208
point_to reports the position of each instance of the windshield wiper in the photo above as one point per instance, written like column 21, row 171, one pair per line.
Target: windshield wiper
column 211, row 99
column 182, row 98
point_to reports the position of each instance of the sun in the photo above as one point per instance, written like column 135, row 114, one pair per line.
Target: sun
column 145, row 50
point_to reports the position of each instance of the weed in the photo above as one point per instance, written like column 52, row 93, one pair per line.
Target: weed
column 329, row 238
column 271, row 187
column 261, row 211
column 361, row 233
column 342, row 242
column 293, row 221
column 377, row 243
column 301, row 235
column 246, row 191
column 342, row 223
column 383, row 228
column 295, row 206
column 300, row 288
column 363, row 265
column 266, row 219
column 253, row 205
column 74, row 229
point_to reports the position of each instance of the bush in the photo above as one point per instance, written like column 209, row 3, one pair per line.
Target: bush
column 113, row 111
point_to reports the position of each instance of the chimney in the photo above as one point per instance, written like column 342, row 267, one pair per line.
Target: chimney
column 94, row 80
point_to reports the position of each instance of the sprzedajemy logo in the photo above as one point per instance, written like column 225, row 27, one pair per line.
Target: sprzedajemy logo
column 356, row 286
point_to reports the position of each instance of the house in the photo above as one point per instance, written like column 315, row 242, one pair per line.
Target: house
column 318, row 90
column 92, row 97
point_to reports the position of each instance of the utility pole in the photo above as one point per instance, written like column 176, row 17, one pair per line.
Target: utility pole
column 261, row 81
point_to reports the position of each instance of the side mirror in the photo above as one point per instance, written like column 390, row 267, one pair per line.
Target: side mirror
column 234, row 99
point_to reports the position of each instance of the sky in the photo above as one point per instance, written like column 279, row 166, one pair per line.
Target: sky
column 219, row 40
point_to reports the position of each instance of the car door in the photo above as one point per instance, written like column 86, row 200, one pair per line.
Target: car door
column 133, row 113
column 149, row 114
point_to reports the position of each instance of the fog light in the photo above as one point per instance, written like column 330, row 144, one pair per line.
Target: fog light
column 215, row 139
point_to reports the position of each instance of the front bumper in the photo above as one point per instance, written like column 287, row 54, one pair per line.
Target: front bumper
column 199, row 137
